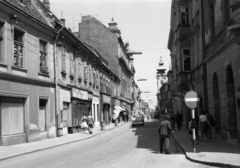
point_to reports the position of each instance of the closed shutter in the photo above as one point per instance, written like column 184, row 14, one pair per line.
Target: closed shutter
column 12, row 113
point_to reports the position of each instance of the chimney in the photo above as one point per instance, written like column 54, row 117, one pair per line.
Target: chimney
column 46, row 3
column 62, row 20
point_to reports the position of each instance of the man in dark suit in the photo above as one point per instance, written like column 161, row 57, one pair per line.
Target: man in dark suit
column 164, row 134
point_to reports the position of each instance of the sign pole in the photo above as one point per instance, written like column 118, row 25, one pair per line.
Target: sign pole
column 193, row 130
column 191, row 100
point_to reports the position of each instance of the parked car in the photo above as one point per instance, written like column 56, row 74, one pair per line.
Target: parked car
column 138, row 119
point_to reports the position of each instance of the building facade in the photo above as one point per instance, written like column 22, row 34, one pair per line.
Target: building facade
column 214, row 59
column 49, row 79
column 27, row 87
column 108, row 42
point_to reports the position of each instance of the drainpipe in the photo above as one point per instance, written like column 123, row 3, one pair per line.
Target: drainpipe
column 205, row 89
column 55, row 60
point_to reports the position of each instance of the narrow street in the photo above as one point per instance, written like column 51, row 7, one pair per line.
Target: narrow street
column 122, row 147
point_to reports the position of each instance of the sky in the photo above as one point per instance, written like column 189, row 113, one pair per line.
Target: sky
column 145, row 24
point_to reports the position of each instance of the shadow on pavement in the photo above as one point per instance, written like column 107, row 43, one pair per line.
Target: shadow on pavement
column 215, row 145
column 148, row 137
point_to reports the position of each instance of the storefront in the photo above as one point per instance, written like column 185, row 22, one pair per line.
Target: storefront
column 106, row 116
column 65, row 109
column 95, row 108
column 80, row 108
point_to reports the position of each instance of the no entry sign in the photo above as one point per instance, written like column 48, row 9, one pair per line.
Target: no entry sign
column 191, row 99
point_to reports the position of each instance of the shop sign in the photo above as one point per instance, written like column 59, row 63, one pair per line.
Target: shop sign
column 65, row 95
column 106, row 99
column 76, row 93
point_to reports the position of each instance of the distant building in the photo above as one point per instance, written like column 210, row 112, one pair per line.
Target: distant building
column 161, row 78
column 108, row 42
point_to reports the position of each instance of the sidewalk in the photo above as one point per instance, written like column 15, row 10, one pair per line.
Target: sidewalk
column 215, row 152
column 20, row 149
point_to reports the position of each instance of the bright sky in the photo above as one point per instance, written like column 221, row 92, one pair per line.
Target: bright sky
column 145, row 24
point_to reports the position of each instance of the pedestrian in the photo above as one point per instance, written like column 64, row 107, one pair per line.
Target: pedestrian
column 203, row 124
column 90, row 123
column 179, row 120
column 209, row 126
column 197, row 125
column 173, row 121
column 190, row 127
column 164, row 134
column 84, row 123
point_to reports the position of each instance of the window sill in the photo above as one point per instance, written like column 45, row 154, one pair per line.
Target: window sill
column 44, row 74
column 71, row 76
column 2, row 65
column 19, row 69
column 64, row 73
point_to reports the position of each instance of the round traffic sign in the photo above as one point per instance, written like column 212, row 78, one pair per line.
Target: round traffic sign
column 191, row 99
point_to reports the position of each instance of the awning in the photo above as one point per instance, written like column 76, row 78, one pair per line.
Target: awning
column 116, row 111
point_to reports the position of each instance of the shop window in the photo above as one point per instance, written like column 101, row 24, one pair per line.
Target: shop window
column 43, row 57
column 42, row 114
column 184, row 14
column 64, row 114
column 98, row 113
column 18, row 48
column 12, row 116
column 186, row 60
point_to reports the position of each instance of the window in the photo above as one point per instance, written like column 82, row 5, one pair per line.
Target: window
column 90, row 76
column 71, row 64
column 94, row 79
column 85, row 73
column 1, row 39
column 63, row 59
column 18, row 48
column 43, row 57
column 79, row 70
column 42, row 114
column 186, row 60
column 184, row 14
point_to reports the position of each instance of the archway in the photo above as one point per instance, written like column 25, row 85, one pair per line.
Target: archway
column 216, row 107
column 232, row 118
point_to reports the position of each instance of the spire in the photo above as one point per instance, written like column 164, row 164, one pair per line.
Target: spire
column 161, row 69
column 161, row 62
column 112, row 26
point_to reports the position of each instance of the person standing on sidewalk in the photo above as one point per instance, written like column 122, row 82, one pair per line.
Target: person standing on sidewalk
column 203, row 124
column 90, row 123
column 210, row 125
column 164, row 134
column 179, row 120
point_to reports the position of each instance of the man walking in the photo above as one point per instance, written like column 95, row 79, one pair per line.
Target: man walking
column 90, row 123
column 164, row 134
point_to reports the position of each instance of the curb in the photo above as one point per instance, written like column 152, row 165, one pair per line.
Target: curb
column 82, row 139
column 216, row 164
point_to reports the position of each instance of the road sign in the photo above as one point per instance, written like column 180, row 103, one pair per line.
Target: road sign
column 191, row 99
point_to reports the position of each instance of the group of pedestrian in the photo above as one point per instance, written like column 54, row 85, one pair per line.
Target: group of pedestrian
column 176, row 119
column 204, row 124
column 88, row 123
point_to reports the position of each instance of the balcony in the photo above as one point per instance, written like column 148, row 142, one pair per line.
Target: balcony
column 183, row 81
